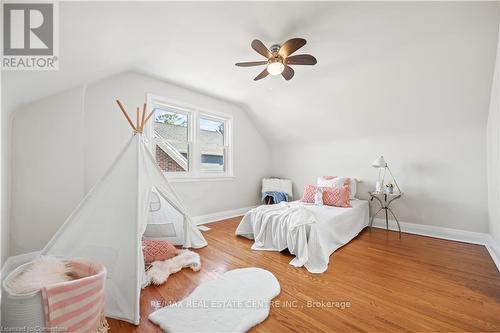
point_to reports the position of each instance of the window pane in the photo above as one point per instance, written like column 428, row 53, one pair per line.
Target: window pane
column 171, row 137
column 211, row 132
column 212, row 144
column 212, row 159
column 172, row 157
column 171, row 126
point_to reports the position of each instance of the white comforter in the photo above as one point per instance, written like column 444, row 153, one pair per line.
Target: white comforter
column 311, row 233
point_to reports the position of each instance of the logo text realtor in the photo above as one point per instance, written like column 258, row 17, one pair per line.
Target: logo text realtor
column 30, row 36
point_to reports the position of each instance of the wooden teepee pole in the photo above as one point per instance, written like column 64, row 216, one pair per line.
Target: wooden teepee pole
column 147, row 118
column 126, row 115
column 143, row 116
column 137, row 124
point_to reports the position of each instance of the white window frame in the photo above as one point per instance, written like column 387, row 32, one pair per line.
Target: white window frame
column 227, row 140
column 194, row 172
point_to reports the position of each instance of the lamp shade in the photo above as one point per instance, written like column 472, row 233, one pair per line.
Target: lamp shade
column 379, row 162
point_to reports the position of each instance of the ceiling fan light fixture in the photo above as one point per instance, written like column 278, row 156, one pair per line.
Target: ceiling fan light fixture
column 275, row 67
column 279, row 58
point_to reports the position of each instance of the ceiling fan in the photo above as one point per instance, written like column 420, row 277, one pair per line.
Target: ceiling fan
column 279, row 57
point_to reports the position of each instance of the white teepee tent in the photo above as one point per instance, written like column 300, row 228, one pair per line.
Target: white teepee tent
column 109, row 223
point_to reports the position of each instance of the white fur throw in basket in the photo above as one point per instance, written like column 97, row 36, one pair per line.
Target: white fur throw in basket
column 45, row 292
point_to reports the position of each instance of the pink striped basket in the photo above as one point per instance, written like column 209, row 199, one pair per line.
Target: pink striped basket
column 72, row 306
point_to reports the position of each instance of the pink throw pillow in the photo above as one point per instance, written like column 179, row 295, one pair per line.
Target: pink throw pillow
column 309, row 192
column 338, row 197
column 156, row 250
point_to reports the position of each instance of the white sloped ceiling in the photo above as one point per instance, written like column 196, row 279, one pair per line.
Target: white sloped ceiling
column 381, row 66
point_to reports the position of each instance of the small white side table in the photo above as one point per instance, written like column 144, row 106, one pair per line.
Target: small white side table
column 388, row 198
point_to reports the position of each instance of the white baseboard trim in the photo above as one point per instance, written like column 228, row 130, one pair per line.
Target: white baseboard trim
column 433, row 231
column 446, row 233
column 214, row 217
column 493, row 248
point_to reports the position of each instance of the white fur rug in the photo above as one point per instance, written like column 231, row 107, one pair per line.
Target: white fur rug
column 161, row 270
column 234, row 302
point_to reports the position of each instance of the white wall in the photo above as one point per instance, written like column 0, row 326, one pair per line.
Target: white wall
column 63, row 144
column 418, row 93
column 4, row 190
column 5, row 184
column 493, row 155
column 441, row 172
column 47, row 168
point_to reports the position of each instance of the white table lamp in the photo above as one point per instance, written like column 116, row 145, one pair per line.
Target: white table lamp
column 380, row 164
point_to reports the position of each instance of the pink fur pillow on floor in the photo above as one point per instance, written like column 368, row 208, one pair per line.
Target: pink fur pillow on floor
column 158, row 250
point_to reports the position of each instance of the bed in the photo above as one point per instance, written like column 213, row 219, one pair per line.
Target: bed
column 311, row 233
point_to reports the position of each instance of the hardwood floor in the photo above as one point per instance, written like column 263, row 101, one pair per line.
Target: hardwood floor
column 412, row 284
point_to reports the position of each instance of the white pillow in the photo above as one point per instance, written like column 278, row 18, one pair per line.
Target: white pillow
column 334, row 182
column 353, row 187
column 338, row 182
column 318, row 197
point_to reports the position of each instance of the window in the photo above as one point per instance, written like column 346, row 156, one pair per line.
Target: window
column 171, row 139
column 188, row 143
column 212, row 144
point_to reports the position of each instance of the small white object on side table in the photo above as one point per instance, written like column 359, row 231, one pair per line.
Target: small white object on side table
column 388, row 198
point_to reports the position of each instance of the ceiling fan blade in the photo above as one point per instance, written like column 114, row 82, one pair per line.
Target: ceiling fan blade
column 301, row 59
column 262, row 75
column 291, row 46
column 288, row 72
column 258, row 46
column 251, row 63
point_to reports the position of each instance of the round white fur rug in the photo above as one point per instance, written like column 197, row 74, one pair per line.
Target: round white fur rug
column 235, row 302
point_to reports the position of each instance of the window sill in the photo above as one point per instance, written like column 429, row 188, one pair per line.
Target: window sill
column 199, row 179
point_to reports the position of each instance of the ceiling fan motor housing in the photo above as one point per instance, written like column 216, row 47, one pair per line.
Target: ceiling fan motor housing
column 275, row 48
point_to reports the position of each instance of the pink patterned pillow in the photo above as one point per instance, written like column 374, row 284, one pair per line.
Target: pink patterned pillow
column 309, row 192
column 155, row 250
column 338, row 197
